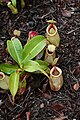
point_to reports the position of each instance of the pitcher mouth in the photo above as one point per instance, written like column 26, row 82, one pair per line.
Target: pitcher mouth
column 55, row 71
column 50, row 50
column 48, row 29
column 2, row 75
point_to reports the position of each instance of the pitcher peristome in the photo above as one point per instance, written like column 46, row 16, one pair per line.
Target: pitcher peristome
column 2, row 76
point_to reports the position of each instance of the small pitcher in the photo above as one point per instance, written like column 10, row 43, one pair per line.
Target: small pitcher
column 52, row 35
column 4, row 81
column 50, row 54
column 56, row 78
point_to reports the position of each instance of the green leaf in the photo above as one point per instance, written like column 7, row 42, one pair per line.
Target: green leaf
column 32, row 66
column 14, row 83
column 13, row 3
column 43, row 64
column 8, row 68
column 33, row 47
column 15, row 49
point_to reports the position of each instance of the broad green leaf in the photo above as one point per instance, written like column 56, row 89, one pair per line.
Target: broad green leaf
column 15, row 49
column 13, row 3
column 8, row 68
column 33, row 47
column 14, row 83
column 43, row 64
column 4, row 84
column 32, row 66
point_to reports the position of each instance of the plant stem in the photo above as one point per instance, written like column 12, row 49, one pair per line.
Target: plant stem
column 13, row 100
column 44, row 72
column 13, row 9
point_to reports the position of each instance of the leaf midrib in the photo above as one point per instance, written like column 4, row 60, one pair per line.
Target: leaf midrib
column 32, row 50
column 16, row 53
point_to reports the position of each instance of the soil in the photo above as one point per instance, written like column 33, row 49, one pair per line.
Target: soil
column 38, row 100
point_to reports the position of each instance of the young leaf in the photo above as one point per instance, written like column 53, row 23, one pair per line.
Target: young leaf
column 33, row 47
column 13, row 83
column 32, row 66
column 13, row 3
column 8, row 68
column 15, row 49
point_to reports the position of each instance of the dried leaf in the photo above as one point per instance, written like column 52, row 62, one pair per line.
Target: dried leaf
column 22, row 87
column 57, row 107
column 66, row 13
column 61, row 118
column 47, row 96
column 77, row 70
column 42, row 105
column 76, row 86
column 21, row 91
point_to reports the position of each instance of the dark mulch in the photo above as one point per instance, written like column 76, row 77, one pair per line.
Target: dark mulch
column 44, row 105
